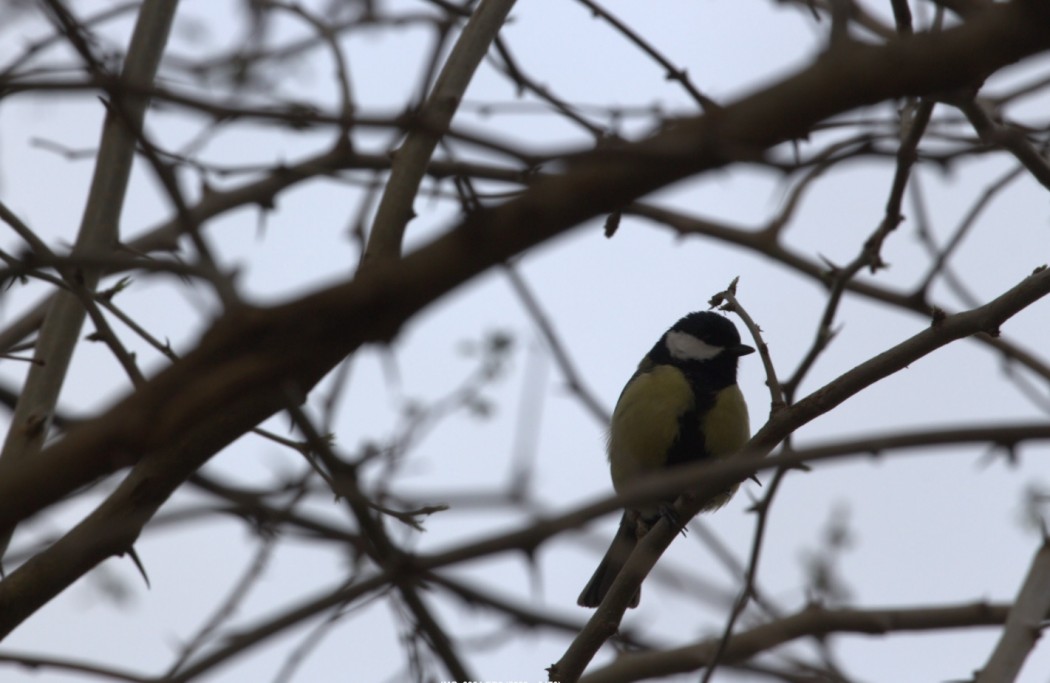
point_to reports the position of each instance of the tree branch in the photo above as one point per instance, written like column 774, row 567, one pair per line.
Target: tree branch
column 702, row 488
column 812, row 621
column 1025, row 624
column 240, row 372
column 98, row 229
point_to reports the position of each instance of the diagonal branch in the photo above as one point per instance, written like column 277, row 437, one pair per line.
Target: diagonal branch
column 411, row 159
column 1024, row 625
column 98, row 231
column 606, row 618
column 241, row 370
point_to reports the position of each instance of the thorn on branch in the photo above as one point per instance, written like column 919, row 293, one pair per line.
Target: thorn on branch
column 612, row 223
column 1012, row 458
column 679, row 75
column 110, row 293
column 725, row 297
column 825, row 335
column 832, row 271
column 35, row 424
column 134, row 556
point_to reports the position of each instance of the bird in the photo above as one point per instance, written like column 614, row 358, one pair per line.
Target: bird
column 681, row 405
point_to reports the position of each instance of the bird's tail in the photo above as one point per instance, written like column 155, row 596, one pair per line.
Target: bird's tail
column 609, row 568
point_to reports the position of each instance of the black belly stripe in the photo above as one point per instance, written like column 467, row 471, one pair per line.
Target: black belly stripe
column 690, row 445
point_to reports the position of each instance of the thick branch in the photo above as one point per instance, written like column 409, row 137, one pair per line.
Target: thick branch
column 60, row 330
column 702, row 488
column 812, row 621
column 243, row 368
column 1024, row 626
column 411, row 159
column 531, row 535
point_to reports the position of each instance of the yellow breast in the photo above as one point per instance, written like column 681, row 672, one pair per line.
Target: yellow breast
column 727, row 427
column 646, row 422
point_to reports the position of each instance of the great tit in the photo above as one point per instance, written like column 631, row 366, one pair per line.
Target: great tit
column 681, row 405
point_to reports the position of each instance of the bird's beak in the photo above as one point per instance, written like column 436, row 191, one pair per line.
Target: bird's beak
column 740, row 350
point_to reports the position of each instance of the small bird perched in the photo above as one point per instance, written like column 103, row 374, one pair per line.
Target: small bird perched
column 681, row 405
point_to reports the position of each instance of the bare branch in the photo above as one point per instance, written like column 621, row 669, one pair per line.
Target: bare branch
column 411, row 159
column 1024, row 625
column 812, row 621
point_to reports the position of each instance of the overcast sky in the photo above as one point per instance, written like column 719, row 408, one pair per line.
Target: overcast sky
column 926, row 528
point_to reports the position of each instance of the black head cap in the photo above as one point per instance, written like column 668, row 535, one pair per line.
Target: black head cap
column 713, row 329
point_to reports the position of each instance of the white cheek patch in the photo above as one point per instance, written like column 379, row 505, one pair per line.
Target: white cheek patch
column 684, row 346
